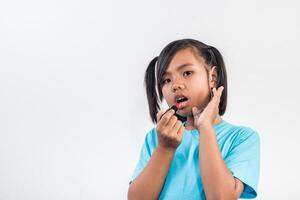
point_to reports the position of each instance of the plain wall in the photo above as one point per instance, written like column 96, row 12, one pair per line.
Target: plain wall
column 73, row 108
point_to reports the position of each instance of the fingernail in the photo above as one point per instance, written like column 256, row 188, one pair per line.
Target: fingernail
column 195, row 109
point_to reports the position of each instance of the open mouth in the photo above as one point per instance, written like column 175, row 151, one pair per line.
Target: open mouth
column 182, row 102
column 182, row 99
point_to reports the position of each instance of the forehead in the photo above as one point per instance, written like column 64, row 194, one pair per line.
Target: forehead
column 183, row 59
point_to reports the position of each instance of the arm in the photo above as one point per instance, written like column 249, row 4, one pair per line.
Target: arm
column 217, row 180
column 218, row 183
column 149, row 183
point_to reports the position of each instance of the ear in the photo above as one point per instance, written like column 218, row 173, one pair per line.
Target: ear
column 213, row 76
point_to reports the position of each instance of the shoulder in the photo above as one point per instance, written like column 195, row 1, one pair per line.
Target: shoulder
column 242, row 133
column 151, row 140
column 151, row 135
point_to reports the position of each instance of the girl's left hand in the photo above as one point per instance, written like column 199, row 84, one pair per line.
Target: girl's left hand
column 206, row 117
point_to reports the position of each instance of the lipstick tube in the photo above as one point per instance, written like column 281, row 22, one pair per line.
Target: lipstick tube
column 175, row 108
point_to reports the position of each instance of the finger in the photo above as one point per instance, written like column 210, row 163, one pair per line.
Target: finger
column 165, row 112
column 214, row 90
column 177, row 126
column 196, row 111
column 180, row 130
column 217, row 93
column 172, row 122
column 159, row 114
column 221, row 90
column 166, row 116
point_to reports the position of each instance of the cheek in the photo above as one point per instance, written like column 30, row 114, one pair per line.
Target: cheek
column 167, row 95
column 199, row 84
column 202, row 97
column 163, row 90
column 200, row 89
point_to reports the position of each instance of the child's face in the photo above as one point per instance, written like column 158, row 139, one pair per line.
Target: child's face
column 190, row 81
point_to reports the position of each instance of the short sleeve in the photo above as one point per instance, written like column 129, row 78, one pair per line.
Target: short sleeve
column 243, row 161
column 144, row 157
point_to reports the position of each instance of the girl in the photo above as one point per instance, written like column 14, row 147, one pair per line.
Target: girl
column 194, row 153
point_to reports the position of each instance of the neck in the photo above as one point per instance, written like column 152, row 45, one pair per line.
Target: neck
column 189, row 125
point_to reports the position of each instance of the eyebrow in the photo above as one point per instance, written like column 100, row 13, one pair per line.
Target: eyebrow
column 179, row 67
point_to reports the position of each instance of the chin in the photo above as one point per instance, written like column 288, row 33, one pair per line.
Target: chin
column 185, row 112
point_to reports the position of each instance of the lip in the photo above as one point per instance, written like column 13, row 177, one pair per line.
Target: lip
column 178, row 96
column 181, row 105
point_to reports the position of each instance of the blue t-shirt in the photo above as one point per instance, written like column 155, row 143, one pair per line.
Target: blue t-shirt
column 240, row 149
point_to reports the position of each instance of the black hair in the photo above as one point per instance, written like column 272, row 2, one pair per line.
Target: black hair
column 159, row 64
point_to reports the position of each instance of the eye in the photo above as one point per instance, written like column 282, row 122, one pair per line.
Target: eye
column 165, row 81
column 187, row 72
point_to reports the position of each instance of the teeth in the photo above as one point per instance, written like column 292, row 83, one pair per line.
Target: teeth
column 181, row 99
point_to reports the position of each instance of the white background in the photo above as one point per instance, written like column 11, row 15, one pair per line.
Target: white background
column 73, row 109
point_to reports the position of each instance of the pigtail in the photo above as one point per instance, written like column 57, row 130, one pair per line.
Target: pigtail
column 217, row 60
column 150, row 84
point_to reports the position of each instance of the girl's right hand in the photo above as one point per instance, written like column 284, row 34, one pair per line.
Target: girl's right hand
column 169, row 130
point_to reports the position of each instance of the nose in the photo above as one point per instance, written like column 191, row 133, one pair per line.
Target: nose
column 177, row 87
